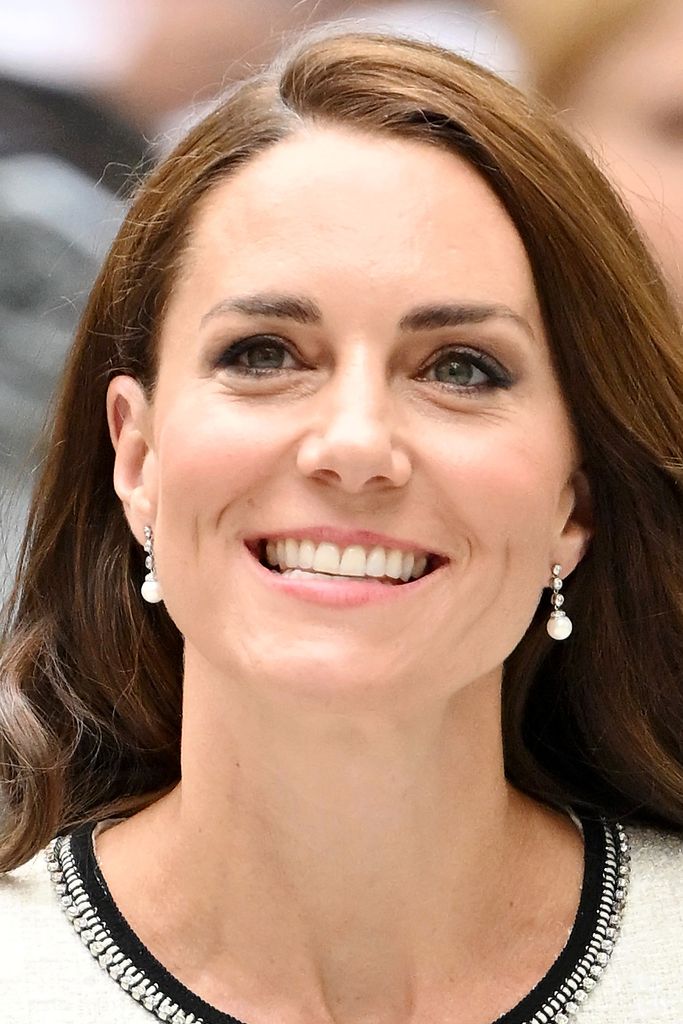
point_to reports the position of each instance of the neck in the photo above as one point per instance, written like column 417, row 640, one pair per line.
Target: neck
column 309, row 834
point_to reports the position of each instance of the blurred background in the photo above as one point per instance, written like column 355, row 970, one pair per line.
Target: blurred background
column 93, row 92
column 614, row 70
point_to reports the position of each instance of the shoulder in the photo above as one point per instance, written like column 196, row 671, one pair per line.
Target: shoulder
column 643, row 978
column 45, row 971
column 653, row 916
column 656, row 861
column 30, row 915
column 647, row 840
column 26, row 891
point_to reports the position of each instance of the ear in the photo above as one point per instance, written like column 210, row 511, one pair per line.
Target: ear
column 130, row 421
column 577, row 528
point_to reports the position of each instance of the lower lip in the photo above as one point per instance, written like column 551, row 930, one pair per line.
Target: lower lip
column 340, row 593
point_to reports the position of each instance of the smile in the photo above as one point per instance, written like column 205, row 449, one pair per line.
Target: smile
column 305, row 558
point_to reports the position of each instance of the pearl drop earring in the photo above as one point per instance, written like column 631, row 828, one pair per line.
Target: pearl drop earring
column 559, row 624
column 151, row 588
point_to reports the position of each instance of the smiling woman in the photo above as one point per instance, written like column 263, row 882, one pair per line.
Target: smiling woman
column 373, row 368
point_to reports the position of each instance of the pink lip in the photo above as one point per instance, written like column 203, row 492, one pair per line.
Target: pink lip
column 343, row 538
column 338, row 593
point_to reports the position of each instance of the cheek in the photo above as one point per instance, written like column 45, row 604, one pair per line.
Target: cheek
column 214, row 459
column 502, row 500
column 506, row 491
column 504, row 485
column 211, row 452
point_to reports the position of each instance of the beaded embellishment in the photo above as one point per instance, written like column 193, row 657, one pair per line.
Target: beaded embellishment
column 560, row 1008
column 95, row 937
column 565, row 1003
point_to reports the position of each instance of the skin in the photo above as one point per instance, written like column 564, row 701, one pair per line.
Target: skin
column 628, row 106
column 343, row 845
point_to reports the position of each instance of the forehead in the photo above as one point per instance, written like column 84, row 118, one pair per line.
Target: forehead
column 389, row 218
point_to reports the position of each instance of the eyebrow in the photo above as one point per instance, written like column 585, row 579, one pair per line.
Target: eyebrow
column 453, row 314
column 429, row 317
column 282, row 307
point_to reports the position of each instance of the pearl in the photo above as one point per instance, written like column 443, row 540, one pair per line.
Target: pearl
column 559, row 628
column 151, row 591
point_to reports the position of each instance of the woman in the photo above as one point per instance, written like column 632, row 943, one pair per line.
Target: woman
column 614, row 68
column 354, row 378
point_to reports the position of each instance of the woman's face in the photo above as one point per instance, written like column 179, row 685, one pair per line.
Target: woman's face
column 354, row 348
column 629, row 105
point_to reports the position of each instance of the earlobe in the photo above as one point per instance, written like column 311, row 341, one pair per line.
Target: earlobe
column 129, row 419
column 578, row 527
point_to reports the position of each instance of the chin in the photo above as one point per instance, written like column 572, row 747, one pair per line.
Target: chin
column 341, row 673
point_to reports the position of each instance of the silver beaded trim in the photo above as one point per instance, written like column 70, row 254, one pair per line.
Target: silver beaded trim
column 95, row 937
column 561, row 1008
column 566, row 1002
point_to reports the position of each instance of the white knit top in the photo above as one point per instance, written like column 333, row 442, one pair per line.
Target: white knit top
column 47, row 974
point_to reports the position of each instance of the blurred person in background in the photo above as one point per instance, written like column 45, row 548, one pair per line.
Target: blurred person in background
column 615, row 69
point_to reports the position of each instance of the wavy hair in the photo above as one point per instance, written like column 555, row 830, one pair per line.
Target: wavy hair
column 90, row 679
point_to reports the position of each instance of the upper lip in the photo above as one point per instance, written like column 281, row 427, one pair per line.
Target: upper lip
column 344, row 538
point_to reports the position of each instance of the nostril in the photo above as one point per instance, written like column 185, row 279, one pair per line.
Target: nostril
column 327, row 474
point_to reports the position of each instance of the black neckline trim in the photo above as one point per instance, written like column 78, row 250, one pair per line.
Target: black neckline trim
column 123, row 935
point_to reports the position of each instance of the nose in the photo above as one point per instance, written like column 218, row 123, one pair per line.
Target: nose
column 352, row 443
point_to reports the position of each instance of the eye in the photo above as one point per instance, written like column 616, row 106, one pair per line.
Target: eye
column 259, row 354
column 466, row 369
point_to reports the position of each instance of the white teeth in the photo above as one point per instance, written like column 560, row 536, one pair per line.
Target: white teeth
column 376, row 562
column 302, row 574
column 353, row 561
column 326, row 558
column 306, row 554
column 407, row 568
column 292, row 553
column 394, row 564
column 419, row 567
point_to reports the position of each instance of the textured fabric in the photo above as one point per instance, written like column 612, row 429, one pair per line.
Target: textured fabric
column 643, row 983
column 46, row 975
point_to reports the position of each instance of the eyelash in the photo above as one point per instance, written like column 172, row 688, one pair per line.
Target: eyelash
column 499, row 378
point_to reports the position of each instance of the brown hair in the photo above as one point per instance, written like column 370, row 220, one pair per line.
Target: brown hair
column 90, row 679
column 558, row 42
